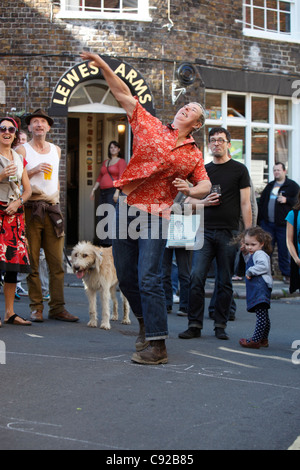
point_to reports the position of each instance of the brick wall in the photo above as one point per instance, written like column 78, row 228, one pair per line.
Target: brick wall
column 34, row 42
column 205, row 30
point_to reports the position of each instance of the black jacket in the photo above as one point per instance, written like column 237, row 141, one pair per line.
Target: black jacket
column 290, row 189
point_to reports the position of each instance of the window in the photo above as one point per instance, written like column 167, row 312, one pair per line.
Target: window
column 272, row 19
column 2, row 92
column 137, row 10
column 261, row 130
column 94, row 97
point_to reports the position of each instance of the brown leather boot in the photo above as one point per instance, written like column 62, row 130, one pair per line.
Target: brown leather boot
column 156, row 353
column 141, row 342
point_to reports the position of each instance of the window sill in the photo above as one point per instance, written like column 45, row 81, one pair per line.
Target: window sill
column 271, row 36
column 71, row 15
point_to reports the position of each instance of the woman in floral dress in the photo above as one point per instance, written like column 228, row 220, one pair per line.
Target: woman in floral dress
column 14, row 191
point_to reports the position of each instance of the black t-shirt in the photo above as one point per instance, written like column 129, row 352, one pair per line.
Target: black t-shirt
column 232, row 176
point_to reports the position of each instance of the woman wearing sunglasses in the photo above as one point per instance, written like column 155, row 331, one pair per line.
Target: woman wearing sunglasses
column 13, row 244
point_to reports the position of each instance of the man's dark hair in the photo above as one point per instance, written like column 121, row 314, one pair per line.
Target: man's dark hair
column 219, row 130
column 280, row 163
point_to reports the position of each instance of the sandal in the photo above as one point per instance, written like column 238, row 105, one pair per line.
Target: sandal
column 15, row 320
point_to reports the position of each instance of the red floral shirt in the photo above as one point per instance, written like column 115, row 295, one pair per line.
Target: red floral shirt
column 156, row 162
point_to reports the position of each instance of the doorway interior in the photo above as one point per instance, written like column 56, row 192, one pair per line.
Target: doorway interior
column 94, row 119
column 72, row 181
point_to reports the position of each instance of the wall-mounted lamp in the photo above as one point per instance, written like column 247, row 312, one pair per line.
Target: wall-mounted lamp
column 121, row 128
column 184, row 76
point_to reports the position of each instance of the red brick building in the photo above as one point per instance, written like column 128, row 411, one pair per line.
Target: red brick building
column 240, row 58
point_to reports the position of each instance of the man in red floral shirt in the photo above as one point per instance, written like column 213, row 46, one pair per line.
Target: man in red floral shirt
column 163, row 158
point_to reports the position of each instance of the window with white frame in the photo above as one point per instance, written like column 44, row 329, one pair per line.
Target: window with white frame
column 105, row 9
column 272, row 19
column 2, row 92
column 260, row 126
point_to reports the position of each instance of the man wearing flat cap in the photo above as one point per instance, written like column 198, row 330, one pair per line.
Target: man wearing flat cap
column 44, row 221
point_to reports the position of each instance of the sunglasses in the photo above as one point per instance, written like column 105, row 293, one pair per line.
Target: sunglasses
column 11, row 130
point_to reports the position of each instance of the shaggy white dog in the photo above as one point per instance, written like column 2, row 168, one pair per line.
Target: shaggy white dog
column 95, row 266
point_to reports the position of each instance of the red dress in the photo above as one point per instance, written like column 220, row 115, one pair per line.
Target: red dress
column 13, row 243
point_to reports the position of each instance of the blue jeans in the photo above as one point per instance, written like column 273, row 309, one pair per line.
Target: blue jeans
column 279, row 235
column 183, row 258
column 138, row 259
column 216, row 245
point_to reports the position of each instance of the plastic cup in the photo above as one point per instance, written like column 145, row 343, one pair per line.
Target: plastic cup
column 14, row 177
column 48, row 174
column 216, row 188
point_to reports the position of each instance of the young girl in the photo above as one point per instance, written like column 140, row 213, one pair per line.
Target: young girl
column 256, row 248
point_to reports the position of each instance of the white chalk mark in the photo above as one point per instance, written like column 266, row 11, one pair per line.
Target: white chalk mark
column 29, row 427
column 248, row 353
column 82, row 359
column 223, row 360
column 34, row 336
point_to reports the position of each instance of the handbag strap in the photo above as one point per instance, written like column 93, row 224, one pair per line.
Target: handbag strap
column 107, row 167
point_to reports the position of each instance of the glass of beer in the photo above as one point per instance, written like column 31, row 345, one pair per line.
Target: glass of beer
column 14, row 177
column 216, row 188
column 48, row 174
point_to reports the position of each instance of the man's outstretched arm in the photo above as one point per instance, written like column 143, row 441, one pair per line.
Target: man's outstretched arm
column 118, row 88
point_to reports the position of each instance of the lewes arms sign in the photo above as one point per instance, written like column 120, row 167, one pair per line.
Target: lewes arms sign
column 82, row 72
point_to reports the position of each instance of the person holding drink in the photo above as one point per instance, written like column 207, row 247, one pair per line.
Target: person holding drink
column 13, row 244
column 276, row 201
column 44, row 220
column 229, row 197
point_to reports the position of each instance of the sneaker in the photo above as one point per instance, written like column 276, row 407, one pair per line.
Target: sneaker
column 182, row 312
column 20, row 290
column 175, row 299
column 46, row 297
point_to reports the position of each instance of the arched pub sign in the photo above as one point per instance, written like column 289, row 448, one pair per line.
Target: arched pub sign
column 82, row 72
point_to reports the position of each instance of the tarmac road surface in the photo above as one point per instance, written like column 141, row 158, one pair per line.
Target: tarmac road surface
column 65, row 386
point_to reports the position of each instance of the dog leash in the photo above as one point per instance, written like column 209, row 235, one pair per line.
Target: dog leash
column 66, row 256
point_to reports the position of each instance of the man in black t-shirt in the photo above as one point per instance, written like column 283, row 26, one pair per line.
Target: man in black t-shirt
column 221, row 222
column 276, row 201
